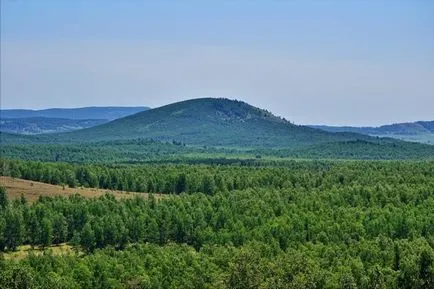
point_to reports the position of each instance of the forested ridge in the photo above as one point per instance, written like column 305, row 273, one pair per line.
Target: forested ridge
column 308, row 224
column 175, row 151
column 217, row 122
column 420, row 131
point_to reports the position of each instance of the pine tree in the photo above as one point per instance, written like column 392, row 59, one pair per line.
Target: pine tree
column 426, row 273
column 3, row 198
column 14, row 229
column 60, row 229
column 208, row 185
column 75, row 241
column 88, row 238
column 2, row 228
column 46, row 236
column 181, row 184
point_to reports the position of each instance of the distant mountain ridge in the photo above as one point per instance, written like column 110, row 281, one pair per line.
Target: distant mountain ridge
column 84, row 113
column 419, row 131
column 25, row 121
column 39, row 125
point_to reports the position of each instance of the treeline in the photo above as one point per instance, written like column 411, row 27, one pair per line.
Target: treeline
column 315, row 225
column 148, row 150
column 237, row 217
column 210, row 179
column 285, row 217
column 140, row 150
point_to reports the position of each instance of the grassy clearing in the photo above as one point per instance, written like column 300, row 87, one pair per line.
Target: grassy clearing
column 33, row 190
column 25, row 250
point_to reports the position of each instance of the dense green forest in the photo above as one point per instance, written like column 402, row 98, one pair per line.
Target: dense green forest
column 150, row 150
column 301, row 224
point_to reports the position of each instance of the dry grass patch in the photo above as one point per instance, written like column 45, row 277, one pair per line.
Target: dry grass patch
column 24, row 251
column 32, row 190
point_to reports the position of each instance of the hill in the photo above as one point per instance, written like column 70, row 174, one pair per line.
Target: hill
column 200, row 126
column 210, row 122
column 420, row 131
column 83, row 113
column 38, row 125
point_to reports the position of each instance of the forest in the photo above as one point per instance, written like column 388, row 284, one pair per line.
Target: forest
column 296, row 224
column 142, row 151
column 216, row 144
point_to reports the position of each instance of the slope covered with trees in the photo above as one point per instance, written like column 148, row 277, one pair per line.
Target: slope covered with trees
column 149, row 150
column 419, row 131
column 205, row 125
column 208, row 121
column 308, row 225
column 38, row 125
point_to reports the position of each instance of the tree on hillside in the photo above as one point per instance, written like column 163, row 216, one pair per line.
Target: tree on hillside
column 14, row 229
column 60, row 229
column 2, row 228
column 181, row 184
column 208, row 185
column 88, row 238
column 46, row 236
column 245, row 272
column 75, row 241
column 3, row 198
column 426, row 270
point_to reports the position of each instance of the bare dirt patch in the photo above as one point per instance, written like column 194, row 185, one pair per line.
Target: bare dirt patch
column 32, row 190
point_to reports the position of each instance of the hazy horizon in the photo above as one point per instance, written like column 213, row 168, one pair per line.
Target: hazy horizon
column 333, row 63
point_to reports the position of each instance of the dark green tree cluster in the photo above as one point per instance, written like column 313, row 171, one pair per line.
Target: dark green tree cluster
column 135, row 151
column 254, row 265
column 176, row 179
column 312, row 225
column 114, row 152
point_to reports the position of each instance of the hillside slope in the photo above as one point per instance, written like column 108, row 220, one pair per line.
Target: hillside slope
column 108, row 113
column 420, row 131
column 210, row 122
column 207, row 123
column 38, row 125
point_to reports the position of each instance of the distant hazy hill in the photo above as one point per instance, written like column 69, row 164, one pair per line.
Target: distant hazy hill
column 38, row 125
column 84, row 113
column 211, row 122
column 420, row 131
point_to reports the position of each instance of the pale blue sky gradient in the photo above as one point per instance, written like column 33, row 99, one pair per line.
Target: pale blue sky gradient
column 328, row 62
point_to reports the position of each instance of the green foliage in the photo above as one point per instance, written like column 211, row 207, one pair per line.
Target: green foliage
column 152, row 151
column 46, row 232
column 306, row 225
column 87, row 239
column 3, row 198
column 14, row 228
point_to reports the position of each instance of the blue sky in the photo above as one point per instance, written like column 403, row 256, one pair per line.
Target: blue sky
column 331, row 62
